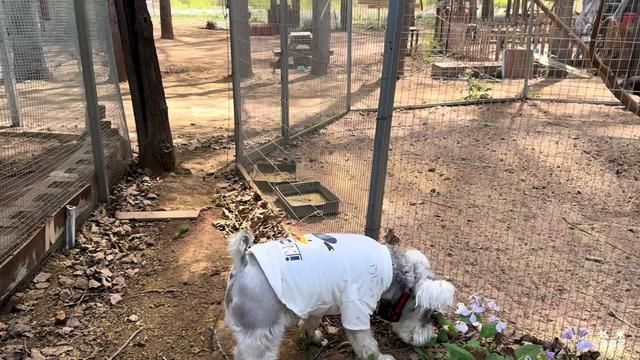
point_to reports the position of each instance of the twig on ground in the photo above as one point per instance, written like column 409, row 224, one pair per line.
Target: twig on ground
column 576, row 226
column 125, row 343
column 215, row 337
column 615, row 315
column 164, row 291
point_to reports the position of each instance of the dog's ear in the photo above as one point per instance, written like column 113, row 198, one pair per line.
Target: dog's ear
column 434, row 294
column 430, row 293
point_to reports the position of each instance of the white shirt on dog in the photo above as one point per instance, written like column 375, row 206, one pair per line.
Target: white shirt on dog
column 327, row 274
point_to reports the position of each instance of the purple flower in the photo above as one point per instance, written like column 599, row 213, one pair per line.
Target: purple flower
column 567, row 334
column 551, row 355
column 493, row 319
column 477, row 307
column 463, row 310
column 500, row 326
column 584, row 345
column 461, row 327
column 493, row 306
column 476, row 304
column 474, row 321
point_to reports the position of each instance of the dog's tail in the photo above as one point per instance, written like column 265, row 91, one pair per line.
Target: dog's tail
column 238, row 246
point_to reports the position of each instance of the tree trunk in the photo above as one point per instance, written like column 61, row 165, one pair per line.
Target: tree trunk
column 166, row 22
column 343, row 15
column 241, row 32
column 321, row 43
column 486, row 4
column 145, row 83
column 23, row 30
column 294, row 19
column 118, row 52
column 508, row 11
column 559, row 45
column 473, row 10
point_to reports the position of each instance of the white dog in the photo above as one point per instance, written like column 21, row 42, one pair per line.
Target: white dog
column 275, row 284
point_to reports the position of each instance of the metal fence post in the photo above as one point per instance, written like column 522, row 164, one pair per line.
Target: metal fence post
column 385, row 114
column 236, row 81
column 9, row 78
column 91, row 98
column 349, row 16
column 284, row 69
column 529, row 54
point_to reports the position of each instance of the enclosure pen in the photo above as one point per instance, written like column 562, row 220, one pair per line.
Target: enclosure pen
column 510, row 162
column 63, row 136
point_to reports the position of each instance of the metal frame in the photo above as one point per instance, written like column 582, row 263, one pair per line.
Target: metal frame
column 529, row 55
column 91, row 98
column 9, row 79
column 349, row 16
column 237, row 84
column 385, row 115
column 284, row 68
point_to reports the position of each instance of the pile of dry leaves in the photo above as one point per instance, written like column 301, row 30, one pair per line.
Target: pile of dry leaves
column 53, row 309
column 245, row 209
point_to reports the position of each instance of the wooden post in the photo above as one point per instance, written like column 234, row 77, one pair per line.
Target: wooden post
column 409, row 18
column 166, row 21
column 241, row 32
column 294, row 19
column 145, row 83
column 273, row 13
column 118, row 52
column 321, row 43
column 560, row 45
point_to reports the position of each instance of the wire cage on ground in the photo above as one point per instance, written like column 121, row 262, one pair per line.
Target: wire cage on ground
column 514, row 152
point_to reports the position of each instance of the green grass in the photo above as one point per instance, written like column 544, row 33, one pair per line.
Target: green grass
column 196, row 4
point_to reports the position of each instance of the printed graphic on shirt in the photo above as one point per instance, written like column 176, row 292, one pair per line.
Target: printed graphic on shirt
column 326, row 239
column 290, row 250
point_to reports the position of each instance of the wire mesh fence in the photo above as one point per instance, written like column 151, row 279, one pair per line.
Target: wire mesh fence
column 512, row 162
column 45, row 146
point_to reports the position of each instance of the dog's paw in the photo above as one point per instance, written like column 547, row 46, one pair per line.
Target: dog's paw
column 386, row 357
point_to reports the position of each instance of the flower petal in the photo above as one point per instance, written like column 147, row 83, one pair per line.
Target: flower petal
column 461, row 327
column 567, row 334
column 462, row 310
column 551, row 355
column 584, row 345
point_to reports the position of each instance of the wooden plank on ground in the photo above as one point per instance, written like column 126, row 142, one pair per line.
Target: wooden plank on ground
column 157, row 215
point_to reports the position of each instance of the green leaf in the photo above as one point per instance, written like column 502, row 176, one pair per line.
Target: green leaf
column 494, row 356
column 474, row 344
column 455, row 352
column 488, row 331
column 371, row 357
column 442, row 337
column 530, row 350
column 181, row 230
column 423, row 355
column 432, row 342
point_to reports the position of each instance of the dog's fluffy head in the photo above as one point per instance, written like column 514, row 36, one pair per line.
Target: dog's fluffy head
column 412, row 270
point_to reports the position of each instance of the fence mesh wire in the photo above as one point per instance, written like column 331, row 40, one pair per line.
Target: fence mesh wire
column 45, row 148
column 512, row 165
